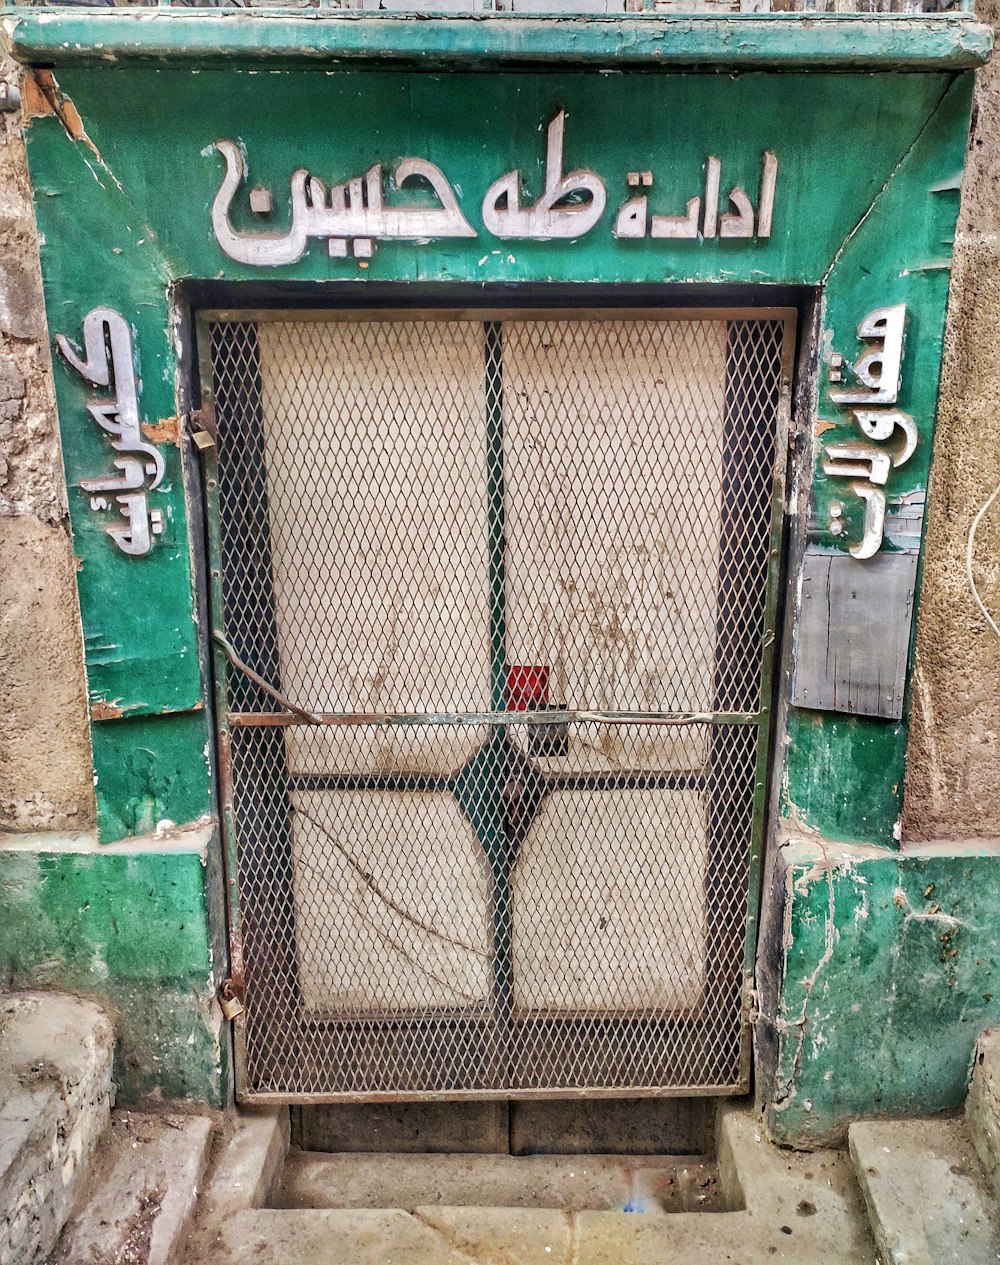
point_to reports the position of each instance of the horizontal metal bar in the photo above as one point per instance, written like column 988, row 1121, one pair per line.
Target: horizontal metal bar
column 686, row 780
column 514, row 1095
column 448, row 313
column 842, row 42
column 534, row 720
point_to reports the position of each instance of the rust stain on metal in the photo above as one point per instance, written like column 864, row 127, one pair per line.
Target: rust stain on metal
column 102, row 710
column 166, row 431
column 45, row 98
column 34, row 102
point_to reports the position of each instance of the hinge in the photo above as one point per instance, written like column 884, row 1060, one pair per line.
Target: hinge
column 751, row 1000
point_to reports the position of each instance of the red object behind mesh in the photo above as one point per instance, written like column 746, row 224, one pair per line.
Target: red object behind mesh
column 527, row 686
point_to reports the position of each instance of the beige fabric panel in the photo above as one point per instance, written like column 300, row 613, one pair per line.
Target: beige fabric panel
column 375, row 441
column 391, row 903
column 609, row 902
column 613, row 437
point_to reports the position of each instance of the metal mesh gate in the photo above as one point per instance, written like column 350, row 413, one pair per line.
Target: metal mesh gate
column 497, row 609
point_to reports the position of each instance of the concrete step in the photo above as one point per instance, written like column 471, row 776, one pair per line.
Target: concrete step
column 982, row 1106
column 928, row 1197
column 141, row 1195
column 244, row 1175
column 788, row 1208
column 56, row 1055
column 568, row 1182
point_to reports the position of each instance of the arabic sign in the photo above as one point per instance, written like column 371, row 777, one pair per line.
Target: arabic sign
column 106, row 331
column 356, row 212
column 878, row 375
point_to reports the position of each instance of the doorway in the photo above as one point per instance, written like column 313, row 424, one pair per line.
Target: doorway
column 496, row 626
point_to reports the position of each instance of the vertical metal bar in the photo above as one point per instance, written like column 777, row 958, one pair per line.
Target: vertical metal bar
column 210, row 475
column 495, row 766
column 767, row 677
column 495, row 512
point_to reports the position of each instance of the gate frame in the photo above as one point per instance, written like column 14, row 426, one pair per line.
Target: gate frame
column 787, row 474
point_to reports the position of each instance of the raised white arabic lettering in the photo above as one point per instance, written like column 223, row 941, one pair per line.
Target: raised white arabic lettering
column 553, row 215
column 878, row 370
column 355, row 210
column 865, row 464
column 633, row 218
column 107, row 361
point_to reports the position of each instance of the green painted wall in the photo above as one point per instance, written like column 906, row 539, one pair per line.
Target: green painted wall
column 149, row 770
column 122, row 202
column 892, row 968
column 133, row 201
column 129, row 927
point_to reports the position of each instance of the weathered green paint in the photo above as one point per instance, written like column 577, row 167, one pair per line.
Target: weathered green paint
column 138, row 662
column 733, row 41
column 124, row 213
column 130, row 928
column 151, row 770
column 844, row 775
column 836, row 765
column 892, row 968
column 871, row 233
column 338, row 124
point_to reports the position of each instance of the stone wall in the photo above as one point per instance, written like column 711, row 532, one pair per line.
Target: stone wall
column 45, row 772
column 953, row 771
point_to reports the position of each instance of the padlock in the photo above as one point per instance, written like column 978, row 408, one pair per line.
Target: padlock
column 232, row 1006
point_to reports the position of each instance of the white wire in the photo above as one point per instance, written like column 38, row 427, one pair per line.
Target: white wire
column 968, row 559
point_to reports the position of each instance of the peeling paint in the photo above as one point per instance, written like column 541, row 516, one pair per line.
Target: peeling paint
column 34, row 102
column 101, row 710
column 888, row 1005
column 44, row 86
column 166, row 431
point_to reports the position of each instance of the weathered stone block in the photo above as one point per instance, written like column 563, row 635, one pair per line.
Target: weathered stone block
column 928, row 1201
column 982, row 1106
column 55, row 1102
column 140, row 1207
column 46, row 781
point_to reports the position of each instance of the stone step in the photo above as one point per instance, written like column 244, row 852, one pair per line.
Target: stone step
column 793, row 1209
column 928, row 1198
column 568, row 1182
column 56, row 1055
column 982, row 1106
column 244, row 1176
column 142, row 1192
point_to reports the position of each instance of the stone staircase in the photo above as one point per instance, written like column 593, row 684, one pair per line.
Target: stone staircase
column 922, row 1192
column 82, row 1184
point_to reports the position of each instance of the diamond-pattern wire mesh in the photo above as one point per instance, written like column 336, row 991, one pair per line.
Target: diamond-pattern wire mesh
column 500, row 561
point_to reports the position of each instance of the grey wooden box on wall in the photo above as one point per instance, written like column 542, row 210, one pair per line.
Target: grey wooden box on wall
column 852, row 633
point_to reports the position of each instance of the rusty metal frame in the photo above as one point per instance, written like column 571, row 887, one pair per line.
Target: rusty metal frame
column 761, row 719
